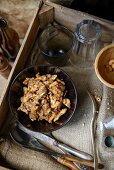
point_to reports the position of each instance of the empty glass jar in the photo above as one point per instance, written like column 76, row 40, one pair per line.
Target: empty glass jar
column 87, row 35
column 56, row 44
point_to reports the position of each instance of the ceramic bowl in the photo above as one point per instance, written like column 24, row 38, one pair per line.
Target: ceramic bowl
column 16, row 92
column 104, row 65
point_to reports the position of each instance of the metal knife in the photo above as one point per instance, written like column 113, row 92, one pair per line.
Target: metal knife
column 55, row 145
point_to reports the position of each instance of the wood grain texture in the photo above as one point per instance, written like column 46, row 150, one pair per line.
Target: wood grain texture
column 46, row 15
column 19, row 63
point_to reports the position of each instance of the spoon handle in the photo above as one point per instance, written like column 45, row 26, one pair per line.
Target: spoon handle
column 75, row 152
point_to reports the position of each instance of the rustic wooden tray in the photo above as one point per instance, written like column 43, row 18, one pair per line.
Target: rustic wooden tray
column 48, row 13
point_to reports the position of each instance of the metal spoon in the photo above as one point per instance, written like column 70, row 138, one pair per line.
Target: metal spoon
column 53, row 144
column 30, row 142
column 27, row 141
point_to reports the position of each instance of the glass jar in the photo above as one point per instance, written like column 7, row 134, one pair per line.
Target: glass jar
column 87, row 34
column 56, row 44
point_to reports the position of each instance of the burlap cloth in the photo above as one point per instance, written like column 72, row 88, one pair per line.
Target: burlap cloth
column 76, row 133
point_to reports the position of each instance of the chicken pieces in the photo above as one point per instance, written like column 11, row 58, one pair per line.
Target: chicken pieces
column 44, row 98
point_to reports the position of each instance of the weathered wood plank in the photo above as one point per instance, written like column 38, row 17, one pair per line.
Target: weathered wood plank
column 19, row 62
column 46, row 15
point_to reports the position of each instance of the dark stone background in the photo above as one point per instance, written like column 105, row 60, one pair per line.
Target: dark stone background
column 100, row 8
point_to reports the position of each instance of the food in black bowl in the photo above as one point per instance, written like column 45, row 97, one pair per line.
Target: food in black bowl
column 42, row 98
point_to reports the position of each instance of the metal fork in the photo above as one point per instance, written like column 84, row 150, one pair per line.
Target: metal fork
column 93, row 128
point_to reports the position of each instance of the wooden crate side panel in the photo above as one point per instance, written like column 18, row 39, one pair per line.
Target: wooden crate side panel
column 19, row 63
column 46, row 15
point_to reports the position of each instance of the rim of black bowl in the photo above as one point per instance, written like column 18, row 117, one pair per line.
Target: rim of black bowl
column 54, row 129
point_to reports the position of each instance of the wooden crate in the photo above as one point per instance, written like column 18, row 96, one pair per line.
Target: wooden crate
column 48, row 13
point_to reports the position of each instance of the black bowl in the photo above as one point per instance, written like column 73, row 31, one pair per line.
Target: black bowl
column 16, row 91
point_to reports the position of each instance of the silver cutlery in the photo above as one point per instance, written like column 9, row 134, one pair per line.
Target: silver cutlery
column 28, row 141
